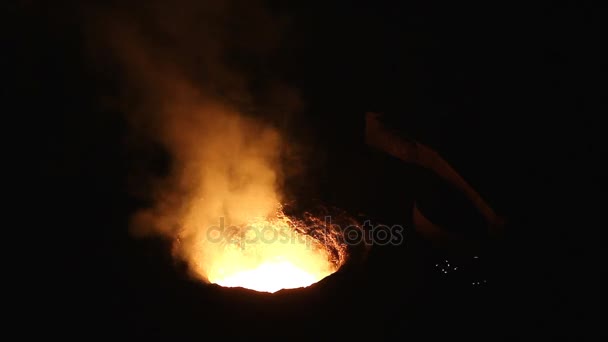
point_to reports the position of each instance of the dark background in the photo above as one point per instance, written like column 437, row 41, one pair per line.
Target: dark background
column 505, row 94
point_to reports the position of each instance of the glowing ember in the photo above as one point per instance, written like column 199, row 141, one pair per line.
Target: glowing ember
column 272, row 254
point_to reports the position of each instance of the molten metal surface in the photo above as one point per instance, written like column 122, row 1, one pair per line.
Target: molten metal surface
column 276, row 253
column 272, row 277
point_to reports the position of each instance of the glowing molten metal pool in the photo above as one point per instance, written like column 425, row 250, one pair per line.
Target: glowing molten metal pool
column 272, row 277
column 271, row 254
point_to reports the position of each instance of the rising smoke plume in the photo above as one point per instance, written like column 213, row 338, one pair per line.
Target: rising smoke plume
column 194, row 78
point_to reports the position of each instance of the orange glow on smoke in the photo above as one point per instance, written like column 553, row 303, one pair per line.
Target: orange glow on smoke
column 224, row 154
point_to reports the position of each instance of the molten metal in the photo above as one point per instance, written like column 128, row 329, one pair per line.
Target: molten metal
column 272, row 277
column 272, row 254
